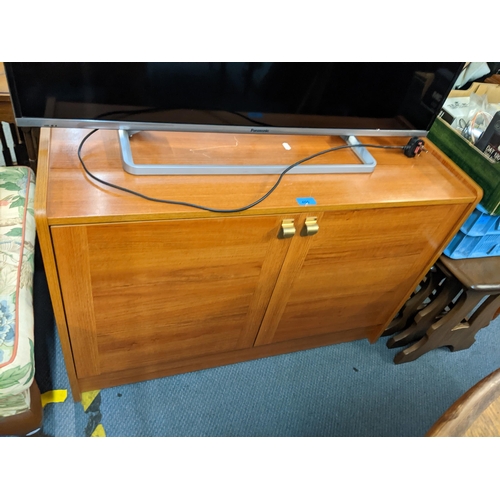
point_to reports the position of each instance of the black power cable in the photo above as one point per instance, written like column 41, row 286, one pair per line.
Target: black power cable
column 413, row 148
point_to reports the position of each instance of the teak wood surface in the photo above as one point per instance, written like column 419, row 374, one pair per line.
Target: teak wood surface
column 361, row 261
column 475, row 414
column 205, row 282
column 396, row 181
column 143, row 289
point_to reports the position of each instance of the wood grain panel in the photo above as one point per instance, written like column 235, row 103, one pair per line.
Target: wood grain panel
column 167, row 290
column 72, row 257
column 166, row 368
column 294, row 261
column 397, row 180
column 46, row 248
column 358, row 267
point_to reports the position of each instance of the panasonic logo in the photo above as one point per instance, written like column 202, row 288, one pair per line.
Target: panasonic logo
column 260, row 130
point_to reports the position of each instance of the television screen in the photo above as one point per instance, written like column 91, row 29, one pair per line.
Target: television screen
column 291, row 98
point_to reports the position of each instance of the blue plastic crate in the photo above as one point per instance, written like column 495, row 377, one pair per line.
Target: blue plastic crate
column 464, row 246
column 480, row 223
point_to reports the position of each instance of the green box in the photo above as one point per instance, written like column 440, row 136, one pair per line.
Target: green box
column 472, row 161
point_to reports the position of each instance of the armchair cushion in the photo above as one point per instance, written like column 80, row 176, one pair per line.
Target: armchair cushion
column 17, row 243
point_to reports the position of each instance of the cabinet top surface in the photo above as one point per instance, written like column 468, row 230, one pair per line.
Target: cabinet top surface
column 66, row 194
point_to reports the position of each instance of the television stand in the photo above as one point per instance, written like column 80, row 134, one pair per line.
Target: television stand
column 221, row 156
column 142, row 290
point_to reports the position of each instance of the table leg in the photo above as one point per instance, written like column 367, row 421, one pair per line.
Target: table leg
column 415, row 303
column 480, row 319
column 427, row 316
column 450, row 330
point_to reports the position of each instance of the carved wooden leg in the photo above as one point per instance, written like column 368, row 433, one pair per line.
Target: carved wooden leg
column 450, row 330
column 414, row 303
column 480, row 319
column 427, row 316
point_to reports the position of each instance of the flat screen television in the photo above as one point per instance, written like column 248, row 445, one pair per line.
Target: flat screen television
column 327, row 98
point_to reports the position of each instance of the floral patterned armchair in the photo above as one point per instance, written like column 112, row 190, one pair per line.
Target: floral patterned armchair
column 20, row 407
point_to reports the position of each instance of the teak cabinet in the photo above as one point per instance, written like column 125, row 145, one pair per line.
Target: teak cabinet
column 143, row 290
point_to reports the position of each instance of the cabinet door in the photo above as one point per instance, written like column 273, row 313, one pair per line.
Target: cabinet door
column 350, row 277
column 140, row 293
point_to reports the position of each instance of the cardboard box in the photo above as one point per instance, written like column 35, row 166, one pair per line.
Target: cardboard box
column 472, row 161
column 490, row 89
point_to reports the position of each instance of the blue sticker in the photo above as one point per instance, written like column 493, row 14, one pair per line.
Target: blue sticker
column 306, row 201
column 255, row 115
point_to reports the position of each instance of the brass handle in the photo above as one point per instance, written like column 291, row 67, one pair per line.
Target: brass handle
column 311, row 226
column 287, row 228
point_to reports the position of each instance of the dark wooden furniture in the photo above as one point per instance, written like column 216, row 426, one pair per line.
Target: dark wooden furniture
column 143, row 290
column 475, row 414
column 444, row 311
